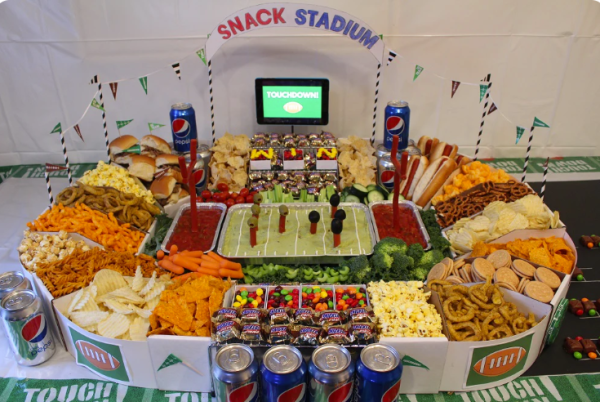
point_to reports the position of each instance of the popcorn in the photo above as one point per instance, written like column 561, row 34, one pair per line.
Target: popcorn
column 116, row 177
column 402, row 310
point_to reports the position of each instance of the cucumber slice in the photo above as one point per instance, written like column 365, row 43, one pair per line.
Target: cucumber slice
column 371, row 187
column 359, row 191
column 353, row 198
column 383, row 190
column 375, row 196
column 391, row 197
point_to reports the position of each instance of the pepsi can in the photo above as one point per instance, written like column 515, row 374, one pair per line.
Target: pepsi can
column 283, row 375
column 235, row 374
column 11, row 281
column 27, row 328
column 397, row 122
column 331, row 374
column 385, row 167
column 201, row 169
column 378, row 373
column 183, row 126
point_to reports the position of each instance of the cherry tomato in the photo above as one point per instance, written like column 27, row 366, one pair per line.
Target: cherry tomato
column 240, row 200
column 249, row 199
column 234, row 195
column 218, row 197
column 244, row 192
column 206, row 194
column 223, row 187
column 230, row 203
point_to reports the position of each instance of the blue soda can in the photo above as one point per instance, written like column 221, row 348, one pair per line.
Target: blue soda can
column 183, row 126
column 378, row 373
column 235, row 374
column 283, row 375
column 331, row 374
column 397, row 122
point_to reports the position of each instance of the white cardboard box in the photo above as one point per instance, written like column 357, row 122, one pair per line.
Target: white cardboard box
column 327, row 165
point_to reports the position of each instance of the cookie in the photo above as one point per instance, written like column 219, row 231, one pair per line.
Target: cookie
column 507, row 275
column 548, row 277
column 438, row 271
column 483, row 268
column 499, row 259
column 456, row 280
column 523, row 268
column 539, row 291
column 506, row 285
column 522, row 284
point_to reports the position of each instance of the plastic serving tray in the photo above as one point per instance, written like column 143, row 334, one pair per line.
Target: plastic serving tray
column 404, row 203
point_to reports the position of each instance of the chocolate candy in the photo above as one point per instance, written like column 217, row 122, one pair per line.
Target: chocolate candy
column 298, row 176
column 329, row 142
column 306, row 335
column 275, row 142
column 288, row 136
column 278, row 334
column 304, row 316
column 282, row 315
column 295, row 191
column 588, row 346
column 224, row 314
column 313, row 136
column 586, row 241
column 252, row 334
column 255, row 175
column 328, row 318
column 267, row 176
column 361, row 314
column 252, row 315
column 316, row 143
column 588, row 305
column 289, row 143
column 301, row 185
column 329, row 176
column 314, row 177
column 363, row 332
column 302, row 141
column 337, row 334
column 268, row 186
column 282, row 176
column 596, row 240
column 277, row 164
column 258, row 188
column 577, row 274
column 576, row 307
column 572, row 345
column 227, row 331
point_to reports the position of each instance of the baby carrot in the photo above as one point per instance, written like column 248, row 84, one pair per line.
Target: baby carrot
column 160, row 254
column 210, row 265
column 207, row 271
column 228, row 273
column 230, row 265
column 184, row 262
column 195, row 254
column 206, row 258
column 215, row 256
column 169, row 266
column 173, row 249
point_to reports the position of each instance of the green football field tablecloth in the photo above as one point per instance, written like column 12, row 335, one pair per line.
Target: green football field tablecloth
column 569, row 388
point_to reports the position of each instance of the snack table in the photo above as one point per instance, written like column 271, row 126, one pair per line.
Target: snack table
column 24, row 198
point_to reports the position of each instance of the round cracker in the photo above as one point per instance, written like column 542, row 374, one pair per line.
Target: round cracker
column 499, row 259
column 467, row 269
column 459, row 263
column 483, row 268
column 523, row 268
column 539, row 291
column 448, row 262
column 438, row 271
column 455, row 279
column 548, row 277
column 506, row 285
column 507, row 275
column 522, row 284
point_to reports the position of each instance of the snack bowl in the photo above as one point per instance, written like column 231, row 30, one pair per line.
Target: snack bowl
column 408, row 206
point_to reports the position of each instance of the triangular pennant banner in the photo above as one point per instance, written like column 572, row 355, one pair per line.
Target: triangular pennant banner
column 78, row 130
column 170, row 361
column 538, row 123
column 418, row 71
column 97, row 105
column 56, row 129
column 202, row 54
column 51, row 168
column 136, row 149
column 152, row 126
column 493, row 108
column 391, row 56
column 144, row 82
column 482, row 90
column 177, row 70
column 123, row 123
column 409, row 361
column 113, row 88
column 520, row 131
column 381, row 36
column 455, row 85
column 94, row 80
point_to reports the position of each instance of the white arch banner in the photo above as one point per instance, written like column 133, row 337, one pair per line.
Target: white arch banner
column 295, row 15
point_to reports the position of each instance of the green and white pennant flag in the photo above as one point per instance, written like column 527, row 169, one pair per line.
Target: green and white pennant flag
column 538, row 123
column 418, row 71
column 409, row 361
column 122, row 123
column 171, row 360
column 153, row 126
column 202, row 54
column 520, row 131
column 56, row 129
column 482, row 90
column 97, row 105
column 144, row 82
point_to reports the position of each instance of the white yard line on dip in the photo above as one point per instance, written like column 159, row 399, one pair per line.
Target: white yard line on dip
column 268, row 228
column 240, row 236
column 356, row 224
column 297, row 230
column 324, row 234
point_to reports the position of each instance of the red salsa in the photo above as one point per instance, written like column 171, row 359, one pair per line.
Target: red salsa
column 408, row 228
column 208, row 220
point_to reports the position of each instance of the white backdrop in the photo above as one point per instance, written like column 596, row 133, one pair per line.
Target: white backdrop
column 543, row 56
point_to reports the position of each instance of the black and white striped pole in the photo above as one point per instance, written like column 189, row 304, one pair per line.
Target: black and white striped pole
column 48, row 187
column 96, row 80
column 177, row 70
column 544, row 179
column 212, row 105
column 66, row 157
column 487, row 98
column 375, row 106
column 527, row 154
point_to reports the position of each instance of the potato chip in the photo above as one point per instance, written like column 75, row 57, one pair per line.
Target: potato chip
column 140, row 311
column 76, row 297
column 138, row 329
column 113, row 326
column 138, row 281
column 155, row 291
column 123, row 293
column 106, row 281
column 81, row 300
column 151, row 304
column 118, row 307
column 88, row 318
column 90, row 305
column 149, row 285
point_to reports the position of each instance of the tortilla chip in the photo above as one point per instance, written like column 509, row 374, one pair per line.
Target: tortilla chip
column 160, row 331
column 204, row 331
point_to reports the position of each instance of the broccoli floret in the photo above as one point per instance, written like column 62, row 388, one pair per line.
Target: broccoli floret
column 429, row 259
column 400, row 270
column 359, row 269
column 381, row 262
column 390, row 245
column 415, row 251
column 440, row 243
column 419, row 274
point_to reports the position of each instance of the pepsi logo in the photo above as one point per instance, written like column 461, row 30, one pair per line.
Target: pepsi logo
column 295, row 394
column 199, row 177
column 392, row 393
column 245, row 393
column 99, row 358
column 181, row 128
column 292, row 107
column 35, row 329
column 342, row 393
column 387, row 178
column 500, row 362
column 394, row 125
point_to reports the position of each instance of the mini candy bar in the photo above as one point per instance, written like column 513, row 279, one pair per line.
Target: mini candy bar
column 572, row 345
column 288, row 136
column 577, row 274
column 317, row 142
column 268, row 176
column 306, row 335
column 588, row 346
column 252, row 315
column 313, row 136
column 281, row 315
column 588, row 305
column 227, row 331
column 361, row 314
column 252, row 333
column 298, row 176
column 586, row 241
column 304, row 316
column 328, row 318
column 363, row 332
column 224, row 314
column 596, row 240
column 335, row 334
column 576, row 307
column 278, row 334
column 302, row 141
column 289, row 143
column 597, row 303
